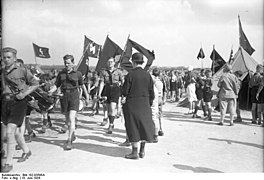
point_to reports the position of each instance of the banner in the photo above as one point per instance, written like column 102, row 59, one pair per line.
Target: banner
column 243, row 41
column 41, row 52
column 125, row 61
column 218, row 61
column 201, row 54
column 91, row 48
column 110, row 49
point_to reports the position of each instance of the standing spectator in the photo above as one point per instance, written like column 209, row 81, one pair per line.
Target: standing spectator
column 70, row 80
column 254, row 84
column 260, row 102
column 138, row 95
column 228, row 84
column 238, row 75
column 164, row 79
column 17, row 83
column 94, row 92
column 208, row 94
column 190, row 88
column 157, row 104
column 173, row 80
column 199, row 86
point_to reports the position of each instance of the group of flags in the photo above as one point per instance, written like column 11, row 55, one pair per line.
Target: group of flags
column 218, row 61
column 111, row 49
column 103, row 53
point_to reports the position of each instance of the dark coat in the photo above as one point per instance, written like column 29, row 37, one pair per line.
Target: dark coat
column 139, row 93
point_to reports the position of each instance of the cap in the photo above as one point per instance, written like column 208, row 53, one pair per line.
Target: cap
column 137, row 57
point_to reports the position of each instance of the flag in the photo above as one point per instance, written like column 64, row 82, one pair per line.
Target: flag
column 91, row 48
column 243, row 41
column 126, row 64
column 83, row 65
column 200, row 54
column 231, row 57
column 110, row 49
column 41, row 52
column 218, row 61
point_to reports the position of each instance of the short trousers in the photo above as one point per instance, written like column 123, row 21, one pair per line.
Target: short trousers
column 199, row 94
column 253, row 94
column 70, row 101
column 13, row 112
column 112, row 93
column 207, row 96
column 228, row 105
column 29, row 109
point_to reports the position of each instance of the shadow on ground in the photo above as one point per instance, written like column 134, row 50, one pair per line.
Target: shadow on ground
column 196, row 169
column 238, row 142
column 89, row 147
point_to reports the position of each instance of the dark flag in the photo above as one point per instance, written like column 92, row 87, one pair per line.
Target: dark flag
column 83, row 66
column 91, row 48
column 110, row 49
column 41, row 52
column 200, row 54
column 126, row 64
column 218, row 61
column 243, row 41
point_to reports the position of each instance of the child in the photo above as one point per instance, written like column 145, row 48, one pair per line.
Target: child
column 208, row 94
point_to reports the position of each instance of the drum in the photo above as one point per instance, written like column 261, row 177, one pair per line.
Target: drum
column 81, row 104
column 40, row 100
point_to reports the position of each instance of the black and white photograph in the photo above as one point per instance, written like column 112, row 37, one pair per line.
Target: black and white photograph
column 94, row 88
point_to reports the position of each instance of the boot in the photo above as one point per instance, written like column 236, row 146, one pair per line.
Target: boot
column 110, row 129
column 104, row 122
column 68, row 145
column 49, row 122
column 210, row 114
column 155, row 140
column 160, row 133
column 195, row 112
column 204, row 110
column 134, row 153
column 142, row 150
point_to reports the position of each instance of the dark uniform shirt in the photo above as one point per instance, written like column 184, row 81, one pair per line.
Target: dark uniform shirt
column 68, row 81
column 114, row 77
column 208, row 83
column 21, row 77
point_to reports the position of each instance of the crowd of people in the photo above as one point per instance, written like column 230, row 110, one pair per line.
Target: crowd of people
column 138, row 95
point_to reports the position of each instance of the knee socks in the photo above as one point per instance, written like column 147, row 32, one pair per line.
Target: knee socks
column 111, row 119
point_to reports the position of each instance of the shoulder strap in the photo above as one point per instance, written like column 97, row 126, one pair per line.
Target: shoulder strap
column 12, row 86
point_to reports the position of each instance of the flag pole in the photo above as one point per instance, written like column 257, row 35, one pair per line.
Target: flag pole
column 120, row 58
column 35, row 54
column 213, row 58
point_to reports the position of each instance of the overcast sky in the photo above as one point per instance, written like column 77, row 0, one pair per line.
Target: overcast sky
column 174, row 29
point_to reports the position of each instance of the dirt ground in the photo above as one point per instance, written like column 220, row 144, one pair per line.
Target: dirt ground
column 188, row 146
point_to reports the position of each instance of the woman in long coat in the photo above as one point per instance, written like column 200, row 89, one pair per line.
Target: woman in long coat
column 138, row 95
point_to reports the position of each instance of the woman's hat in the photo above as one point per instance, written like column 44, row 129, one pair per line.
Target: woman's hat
column 137, row 57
